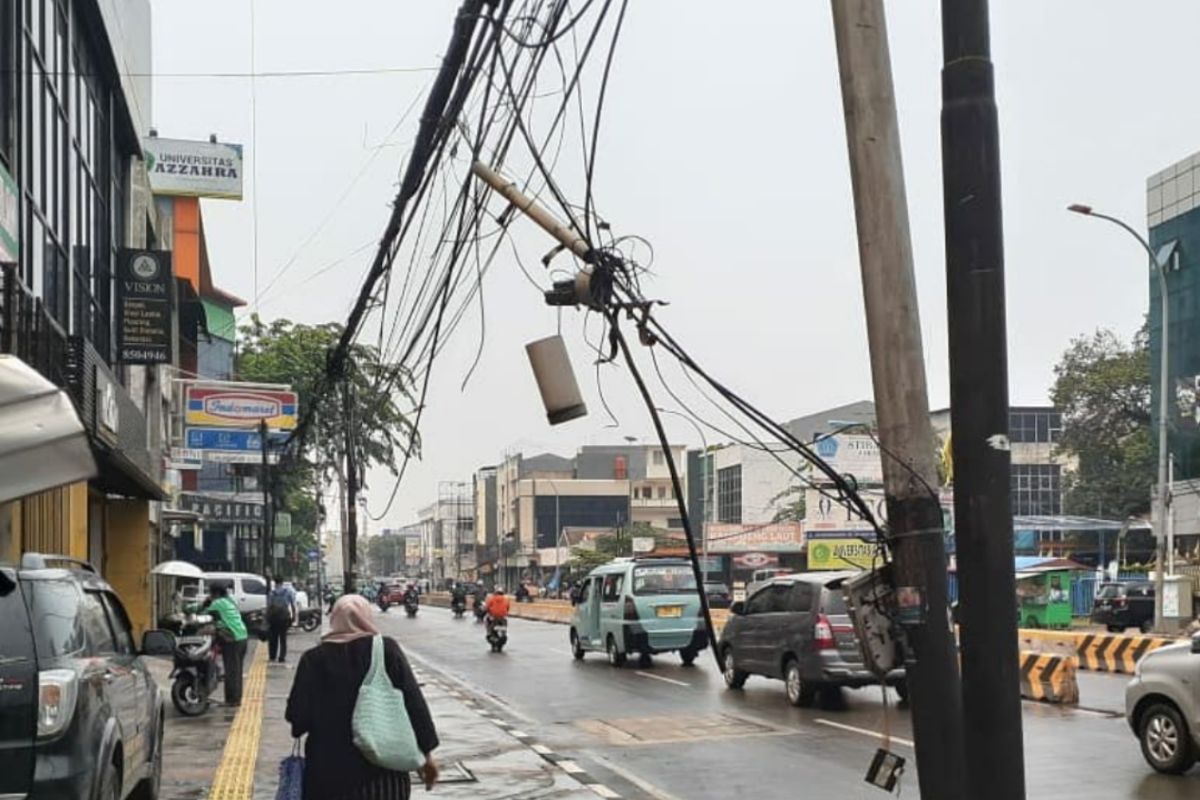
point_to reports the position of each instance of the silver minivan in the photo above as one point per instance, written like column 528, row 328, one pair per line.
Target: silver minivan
column 1162, row 705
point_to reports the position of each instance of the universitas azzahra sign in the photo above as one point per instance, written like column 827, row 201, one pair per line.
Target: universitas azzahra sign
column 194, row 169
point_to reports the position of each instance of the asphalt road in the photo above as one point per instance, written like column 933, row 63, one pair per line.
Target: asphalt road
column 676, row 733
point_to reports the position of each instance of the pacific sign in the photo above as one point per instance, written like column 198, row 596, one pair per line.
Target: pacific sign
column 240, row 408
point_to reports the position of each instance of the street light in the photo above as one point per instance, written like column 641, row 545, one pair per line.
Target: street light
column 1163, row 386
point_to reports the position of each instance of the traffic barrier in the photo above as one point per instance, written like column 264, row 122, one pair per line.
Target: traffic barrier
column 1049, row 678
column 1102, row 652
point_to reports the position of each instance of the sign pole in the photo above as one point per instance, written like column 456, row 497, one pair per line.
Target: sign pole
column 267, row 557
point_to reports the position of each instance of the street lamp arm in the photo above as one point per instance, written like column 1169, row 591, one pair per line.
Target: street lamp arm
column 1129, row 229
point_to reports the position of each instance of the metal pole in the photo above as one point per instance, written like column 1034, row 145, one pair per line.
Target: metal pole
column 1171, row 516
column 267, row 562
column 901, row 401
column 350, row 577
column 991, row 699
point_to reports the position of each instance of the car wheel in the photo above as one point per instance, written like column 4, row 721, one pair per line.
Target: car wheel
column 1166, row 744
column 688, row 657
column 615, row 657
column 734, row 677
column 799, row 693
column 576, row 647
column 150, row 786
column 110, row 784
column 1147, row 626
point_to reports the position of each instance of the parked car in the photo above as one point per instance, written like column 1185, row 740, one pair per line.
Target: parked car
column 760, row 576
column 1124, row 605
column 80, row 715
column 640, row 605
column 247, row 590
column 1162, row 706
column 392, row 594
column 719, row 595
column 797, row 628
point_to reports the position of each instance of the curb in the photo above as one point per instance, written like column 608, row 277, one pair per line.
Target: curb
column 573, row 770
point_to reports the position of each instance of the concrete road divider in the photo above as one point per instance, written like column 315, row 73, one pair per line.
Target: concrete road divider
column 1049, row 678
column 1103, row 652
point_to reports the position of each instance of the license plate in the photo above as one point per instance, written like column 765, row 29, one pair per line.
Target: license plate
column 669, row 611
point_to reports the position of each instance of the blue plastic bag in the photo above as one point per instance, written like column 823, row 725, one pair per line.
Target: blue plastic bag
column 291, row 776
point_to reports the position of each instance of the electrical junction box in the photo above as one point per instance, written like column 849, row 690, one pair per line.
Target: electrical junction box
column 871, row 598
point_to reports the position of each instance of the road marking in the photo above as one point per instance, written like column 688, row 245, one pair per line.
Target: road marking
column 234, row 779
column 863, row 731
column 542, row 750
column 645, row 786
column 571, row 767
column 661, row 678
column 602, row 790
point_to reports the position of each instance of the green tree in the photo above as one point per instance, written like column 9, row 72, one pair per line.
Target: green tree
column 386, row 553
column 1102, row 387
column 619, row 544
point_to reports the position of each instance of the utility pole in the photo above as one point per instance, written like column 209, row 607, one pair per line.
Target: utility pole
column 901, row 403
column 265, row 479
column 992, row 736
column 350, row 545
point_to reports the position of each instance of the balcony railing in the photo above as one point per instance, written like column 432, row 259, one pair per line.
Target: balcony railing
column 27, row 330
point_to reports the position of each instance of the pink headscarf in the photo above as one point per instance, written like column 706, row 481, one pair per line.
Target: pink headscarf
column 350, row 620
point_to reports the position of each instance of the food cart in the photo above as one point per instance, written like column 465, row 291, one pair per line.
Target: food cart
column 1044, row 592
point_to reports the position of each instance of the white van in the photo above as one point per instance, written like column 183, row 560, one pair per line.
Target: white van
column 247, row 590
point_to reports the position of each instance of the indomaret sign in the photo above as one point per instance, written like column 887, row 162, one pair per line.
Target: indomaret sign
column 144, row 301
column 194, row 169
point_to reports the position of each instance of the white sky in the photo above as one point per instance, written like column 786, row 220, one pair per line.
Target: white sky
column 724, row 145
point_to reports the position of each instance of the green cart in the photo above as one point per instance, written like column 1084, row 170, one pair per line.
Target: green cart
column 1044, row 598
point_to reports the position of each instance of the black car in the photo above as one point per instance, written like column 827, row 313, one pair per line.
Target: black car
column 797, row 628
column 1124, row 605
column 80, row 715
column 719, row 595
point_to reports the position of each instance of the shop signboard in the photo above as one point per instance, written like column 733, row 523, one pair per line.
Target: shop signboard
column 185, row 459
column 10, row 220
column 755, row 560
column 852, row 454
column 777, row 537
column 222, row 510
column 238, row 440
column 144, row 301
column 230, row 405
column 842, row 549
column 194, row 169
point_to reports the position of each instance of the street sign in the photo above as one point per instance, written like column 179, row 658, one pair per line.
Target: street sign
column 228, row 405
column 217, row 509
column 228, row 457
column 184, row 458
column 313, row 555
column 228, row 439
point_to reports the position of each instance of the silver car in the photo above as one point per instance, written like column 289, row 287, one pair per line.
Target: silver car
column 1162, row 705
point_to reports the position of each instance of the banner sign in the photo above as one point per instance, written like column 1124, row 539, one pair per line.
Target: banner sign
column 231, row 457
column 185, row 459
column 778, row 537
column 215, row 509
column 230, row 406
column 842, row 549
column 237, row 440
column 194, row 169
column 852, row 454
column 755, row 560
column 144, row 303
column 10, row 226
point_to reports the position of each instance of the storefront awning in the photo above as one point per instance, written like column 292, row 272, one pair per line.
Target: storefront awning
column 42, row 442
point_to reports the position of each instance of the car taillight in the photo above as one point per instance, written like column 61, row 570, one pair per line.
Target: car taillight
column 1119, row 602
column 823, row 634
column 57, row 689
column 630, row 609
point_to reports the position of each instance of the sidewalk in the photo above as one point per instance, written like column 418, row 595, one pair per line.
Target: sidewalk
column 223, row 756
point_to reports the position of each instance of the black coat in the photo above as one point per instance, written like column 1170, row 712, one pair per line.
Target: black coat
column 321, row 705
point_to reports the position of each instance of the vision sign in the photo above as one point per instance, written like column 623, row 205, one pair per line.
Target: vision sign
column 230, row 407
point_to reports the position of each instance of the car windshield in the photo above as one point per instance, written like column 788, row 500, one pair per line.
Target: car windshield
column 675, row 579
column 1111, row 590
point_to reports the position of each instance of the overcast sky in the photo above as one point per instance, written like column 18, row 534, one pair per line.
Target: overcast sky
column 724, row 145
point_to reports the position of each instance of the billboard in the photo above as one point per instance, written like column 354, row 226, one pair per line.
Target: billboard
column 777, row 537
column 842, row 549
column 144, row 300
column 852, row 454
column 194, row 169
column 229, row 405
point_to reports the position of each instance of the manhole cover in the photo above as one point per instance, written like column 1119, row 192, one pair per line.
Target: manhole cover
column 674, row 728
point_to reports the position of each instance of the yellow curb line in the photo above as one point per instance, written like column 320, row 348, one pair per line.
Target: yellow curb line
column 235, row 774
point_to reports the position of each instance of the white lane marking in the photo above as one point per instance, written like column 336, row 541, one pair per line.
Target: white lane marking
column 542, row 750
column 645, row 786
column 661, row 678
column 519, row 734
column 571, row 767
column 602, row 790
column 863, row 731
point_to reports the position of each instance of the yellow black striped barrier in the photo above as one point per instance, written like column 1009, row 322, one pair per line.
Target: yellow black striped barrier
column 1102, row 652
column 1049, row 678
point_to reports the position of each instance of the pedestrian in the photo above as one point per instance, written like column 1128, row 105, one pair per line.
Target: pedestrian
column 281, row 611
column 321, row 705
column 231, row 633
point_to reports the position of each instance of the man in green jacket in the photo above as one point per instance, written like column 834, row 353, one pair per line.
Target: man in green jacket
column 231, row 633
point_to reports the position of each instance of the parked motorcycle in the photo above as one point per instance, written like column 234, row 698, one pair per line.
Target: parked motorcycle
column 310, row 619
column 410, row 607
column 497, row 634
column 196, row 670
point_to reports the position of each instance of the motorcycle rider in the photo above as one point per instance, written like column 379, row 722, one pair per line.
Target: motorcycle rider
column 497, row 608
column 381, row 597
column 458, row 595
column 231, row 632
column 412, row 596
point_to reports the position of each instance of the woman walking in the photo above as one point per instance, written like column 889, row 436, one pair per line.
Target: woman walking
column 321, row 705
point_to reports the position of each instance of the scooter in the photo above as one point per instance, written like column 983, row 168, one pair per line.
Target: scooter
column 196, row 669
column 382, row 602
column 497, row 634
column 410, row 607
column 480, row 610
column 310, row 619
column 458, row 606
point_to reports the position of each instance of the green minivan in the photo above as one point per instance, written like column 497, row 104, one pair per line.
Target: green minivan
column 644, row 605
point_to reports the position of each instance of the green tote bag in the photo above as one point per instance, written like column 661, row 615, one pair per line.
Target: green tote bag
column 382, row 730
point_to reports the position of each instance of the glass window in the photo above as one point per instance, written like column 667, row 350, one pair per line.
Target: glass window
column 778, row 598
column 122, row 630
column 54, row 606
column 95, row 624
column 658, row 458
column 585, row 591
column 759, row 601
column 729, row 494
column 612, row 588
column 8, row 55
column 16, row 635
column 833, row 601
column 662, row 493
column 253, row 586
column 800, row 597
column 664, row 579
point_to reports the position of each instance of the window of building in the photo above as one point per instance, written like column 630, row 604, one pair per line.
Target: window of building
column 8, row 51
column 646, row 493
column 662, row 493
column 1034, row 426
column 620, row 468
column 729, row 494
column 658, row 458
column 1036, row 489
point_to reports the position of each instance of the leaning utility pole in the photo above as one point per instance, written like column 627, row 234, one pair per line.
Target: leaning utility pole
column 979, row 407
column 350, row 543
column 901, row 403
